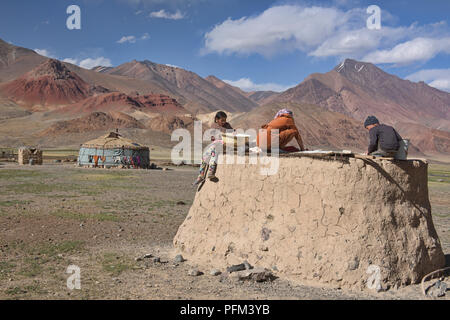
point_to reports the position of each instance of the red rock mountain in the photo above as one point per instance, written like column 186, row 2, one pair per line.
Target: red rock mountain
column 329, row 108
column 169, row 123
column 93, row 122
column 15, row 61
column 199, row 95
column 116, row 101
column 426, row 139
column 359, row 89
column 145, row 78
column 51, row 83
column 262, row 97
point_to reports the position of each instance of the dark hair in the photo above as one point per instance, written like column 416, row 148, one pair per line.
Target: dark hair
column 220, row 115
column 371, row 120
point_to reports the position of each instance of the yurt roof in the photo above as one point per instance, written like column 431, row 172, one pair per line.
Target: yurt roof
column 113, row 140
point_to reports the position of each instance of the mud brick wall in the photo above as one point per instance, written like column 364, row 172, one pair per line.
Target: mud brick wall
column 317, row 221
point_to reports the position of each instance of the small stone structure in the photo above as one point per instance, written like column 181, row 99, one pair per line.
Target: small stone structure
column 319, row 221
column 28, row 155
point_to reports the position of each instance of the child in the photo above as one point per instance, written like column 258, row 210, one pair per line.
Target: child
column 284, row 122
column 211, row 154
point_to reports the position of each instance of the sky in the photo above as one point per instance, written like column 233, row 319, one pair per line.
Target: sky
column 253, row 44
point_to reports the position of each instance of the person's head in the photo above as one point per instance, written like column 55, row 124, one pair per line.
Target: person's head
column 220, row 118
column 283, row 112
column 371, row 122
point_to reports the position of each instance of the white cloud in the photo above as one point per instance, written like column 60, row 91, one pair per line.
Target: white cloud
column 171, row 3
column 173, row 66
column 355, row 43
column 248, row 85
column 70, row 60
column 441, row 84
column 278, row 29
column 327, row 32
column 45, row 53
column 87, row 63
column 124, row 39
column 437, row 78
column 428, row 74
column 418, row 49
column 90, row 63
column 163, row 14
column 133, row 39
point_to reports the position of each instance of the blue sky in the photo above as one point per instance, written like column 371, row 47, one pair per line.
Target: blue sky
column 254, row 44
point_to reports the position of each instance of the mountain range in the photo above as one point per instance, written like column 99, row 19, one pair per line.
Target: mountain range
column 42, row 98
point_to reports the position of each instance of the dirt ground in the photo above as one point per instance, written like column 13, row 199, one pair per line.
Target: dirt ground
column 101, row 220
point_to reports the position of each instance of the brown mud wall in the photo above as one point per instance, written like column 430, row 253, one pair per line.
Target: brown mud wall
column 317, row 221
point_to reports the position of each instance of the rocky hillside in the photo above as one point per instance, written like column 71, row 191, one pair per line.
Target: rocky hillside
column 200, row 94
column 93, row 122
column 359, row 89
column 49, row 84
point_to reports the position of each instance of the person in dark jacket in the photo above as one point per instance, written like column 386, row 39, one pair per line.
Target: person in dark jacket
column 384, row 140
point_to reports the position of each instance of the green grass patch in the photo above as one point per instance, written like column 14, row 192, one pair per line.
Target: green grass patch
column 439, row 176
column 37, row 188
column 90, row 192
column 441, row 215
column 439, row 173
column 39, row 255
column 115, row 264
column 82, row 216
column 13, row 203
column 106, row 176
column 14, row 291
column 162, row 203
column 60, row 153
column 6, row 268
column 33, row 267
column 11, row 174
column 53, row 249
column 33, row 288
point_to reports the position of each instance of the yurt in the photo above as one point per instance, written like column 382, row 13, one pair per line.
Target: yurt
column 112, row 150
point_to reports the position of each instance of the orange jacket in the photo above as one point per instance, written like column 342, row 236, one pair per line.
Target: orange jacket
column 282, row 123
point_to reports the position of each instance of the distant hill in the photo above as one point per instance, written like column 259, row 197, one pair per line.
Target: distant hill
column 359, row 89
column 41, row 96
column 15, row 61
column 262, row 97
column 92, row 122
column 116, row 101
column 200, row 95
column 50, row 83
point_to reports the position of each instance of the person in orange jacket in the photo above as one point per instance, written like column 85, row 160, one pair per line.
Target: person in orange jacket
column 284, row 122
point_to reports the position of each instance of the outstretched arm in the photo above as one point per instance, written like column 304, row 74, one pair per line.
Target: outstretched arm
column 298, row 137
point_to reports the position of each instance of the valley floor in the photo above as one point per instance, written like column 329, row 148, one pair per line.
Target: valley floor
column 56, row 215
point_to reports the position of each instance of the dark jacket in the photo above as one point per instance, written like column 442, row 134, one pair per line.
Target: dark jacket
column 383, row 137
